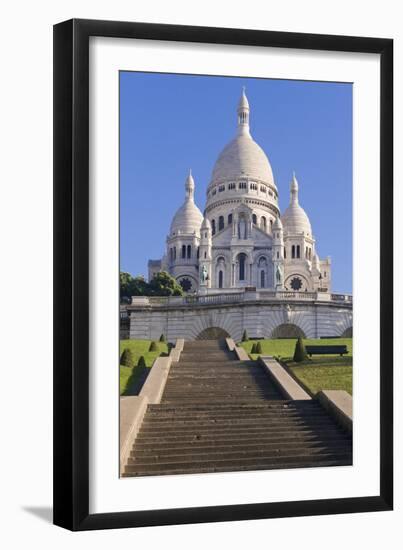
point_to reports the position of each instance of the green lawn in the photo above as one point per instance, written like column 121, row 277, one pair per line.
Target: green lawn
column 322, row 372
column 129, row 376
column 284, row 347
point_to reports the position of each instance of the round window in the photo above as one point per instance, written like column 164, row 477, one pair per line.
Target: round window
column 296, row 283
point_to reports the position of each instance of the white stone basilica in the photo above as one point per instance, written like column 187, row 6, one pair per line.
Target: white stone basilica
column 243, row 241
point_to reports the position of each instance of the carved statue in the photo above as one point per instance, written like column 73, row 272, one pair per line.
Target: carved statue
column 204, row 274
column 279, row 275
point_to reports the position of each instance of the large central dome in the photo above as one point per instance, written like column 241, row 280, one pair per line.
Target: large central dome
column 243, row 157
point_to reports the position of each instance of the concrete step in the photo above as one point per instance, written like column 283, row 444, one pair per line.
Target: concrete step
column 275, row 405
column 273, row 441
column 225, row 429
column 253, row 416
column 250, row 463
column 201, row 455
column 273, row 434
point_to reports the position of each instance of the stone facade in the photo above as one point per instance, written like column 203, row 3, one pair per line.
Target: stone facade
column 242, row 240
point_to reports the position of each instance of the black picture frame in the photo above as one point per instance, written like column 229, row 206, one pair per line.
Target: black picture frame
column 71, row 274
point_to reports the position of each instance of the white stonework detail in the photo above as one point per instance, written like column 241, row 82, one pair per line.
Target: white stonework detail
column 242, row 264
column 316, row 315
column 243, row 240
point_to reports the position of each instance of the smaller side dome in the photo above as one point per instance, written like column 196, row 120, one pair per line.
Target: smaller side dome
column 295, row 219
column 188, row 217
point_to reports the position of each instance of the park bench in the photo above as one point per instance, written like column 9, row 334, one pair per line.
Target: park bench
column 326, row 350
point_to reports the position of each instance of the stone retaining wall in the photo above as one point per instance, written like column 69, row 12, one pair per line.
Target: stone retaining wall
column 315, row 319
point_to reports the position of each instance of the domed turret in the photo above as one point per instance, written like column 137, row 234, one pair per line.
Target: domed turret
column 277, row 226
column 206, row 224
column 295, row 219
column 188, row 218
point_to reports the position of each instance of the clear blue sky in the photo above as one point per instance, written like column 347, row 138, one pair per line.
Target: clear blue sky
column 170, row 123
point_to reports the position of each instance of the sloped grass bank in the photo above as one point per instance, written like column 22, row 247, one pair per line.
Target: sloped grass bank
column 321, row 372
column 130, row 378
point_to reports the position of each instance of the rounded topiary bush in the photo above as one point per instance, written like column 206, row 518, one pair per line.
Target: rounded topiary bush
column 258, row 348
column 300, row 351
column 153, row 347
column 245, row 336
column 127, row 359
column 162, row 338
column 142, row 362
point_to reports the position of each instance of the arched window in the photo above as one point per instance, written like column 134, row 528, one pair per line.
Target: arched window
column 174, row 252
column 262, row 279
column 278, row 255
column 183, row 251
column 285, row 254
column 198, row 252
column 220, row 279
column 213, row 227
column 205, row 254
column 241, row 261
column 310, row 253
column 263, row 223
column 306, row 253
column 189, row 251
column 298, row 251
column 293, row 251
column 229, row 219
column 220, row 223
column 254, row 219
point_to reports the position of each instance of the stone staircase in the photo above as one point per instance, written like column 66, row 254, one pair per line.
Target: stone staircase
column 218, row 414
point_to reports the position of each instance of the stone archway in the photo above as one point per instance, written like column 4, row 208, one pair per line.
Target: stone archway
column 348, row 333
column 287, row 330
column 212, row 333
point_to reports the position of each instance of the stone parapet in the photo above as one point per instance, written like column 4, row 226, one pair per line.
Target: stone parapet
column 286, row 384
column 338, row 404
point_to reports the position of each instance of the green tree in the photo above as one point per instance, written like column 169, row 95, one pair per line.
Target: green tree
column 253, row 349
column 162, row 338
column 163, row 284
column 153, row 346
column 245, row 336
column 132, row 286
column 127, row 359
column 300, row 351
column 259, row 348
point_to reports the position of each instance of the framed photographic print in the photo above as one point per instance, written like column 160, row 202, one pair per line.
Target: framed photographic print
column 223, row 318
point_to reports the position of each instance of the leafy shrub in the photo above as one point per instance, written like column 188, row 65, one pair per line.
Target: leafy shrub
column 153, row 346
column 245, row 336
column 253, row 349
column 258, row 348
column 162, row 338
column 127, row 359
column 300, row 351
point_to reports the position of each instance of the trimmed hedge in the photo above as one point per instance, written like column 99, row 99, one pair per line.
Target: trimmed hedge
column 162, row 338
column 127, row 359
column 245, row 336
column 142, row 362
column 153, row 346
column 300, row 351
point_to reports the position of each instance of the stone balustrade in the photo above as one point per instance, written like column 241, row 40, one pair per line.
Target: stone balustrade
column 236, row 297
